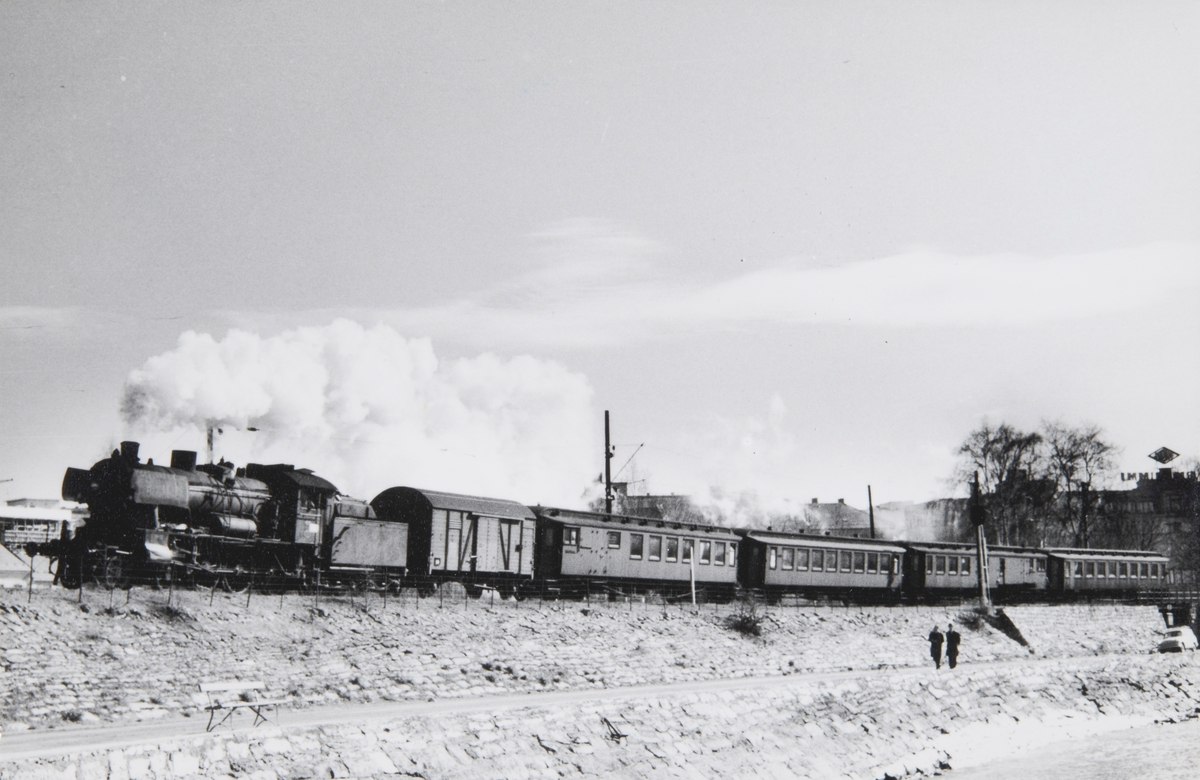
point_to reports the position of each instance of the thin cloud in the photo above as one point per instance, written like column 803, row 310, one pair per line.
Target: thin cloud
column 608, row 293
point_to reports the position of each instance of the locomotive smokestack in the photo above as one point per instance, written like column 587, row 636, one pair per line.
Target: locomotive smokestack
column 184, row 460
column 129, row 451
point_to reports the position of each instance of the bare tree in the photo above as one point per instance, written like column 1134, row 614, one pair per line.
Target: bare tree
column 1078, row 459
column 1010, row 465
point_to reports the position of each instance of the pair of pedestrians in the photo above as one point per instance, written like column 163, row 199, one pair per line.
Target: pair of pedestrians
column 951, row 639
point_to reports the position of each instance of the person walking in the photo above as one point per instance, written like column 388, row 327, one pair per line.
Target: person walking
column 952, row 640
column 935, row 646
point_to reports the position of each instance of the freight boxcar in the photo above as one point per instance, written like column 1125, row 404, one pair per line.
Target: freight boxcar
column 474, row 540
column 821, row 566
column 634, row 552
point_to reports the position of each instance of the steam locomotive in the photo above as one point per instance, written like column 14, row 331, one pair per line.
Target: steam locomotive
column 279, row 525
column 216, row 524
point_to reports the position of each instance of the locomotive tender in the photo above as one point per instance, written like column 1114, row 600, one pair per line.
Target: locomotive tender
column 215, row 524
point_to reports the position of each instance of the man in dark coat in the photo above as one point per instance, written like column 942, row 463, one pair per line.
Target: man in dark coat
column 935, row 646
column 952, row 640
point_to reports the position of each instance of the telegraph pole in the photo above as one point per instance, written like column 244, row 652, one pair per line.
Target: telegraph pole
column 978, row 519
column 608, row 454
column 871, row 511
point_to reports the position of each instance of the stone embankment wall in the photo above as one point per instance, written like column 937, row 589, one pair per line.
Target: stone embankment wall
column 143, row 659
column 884, row 724
column 1071, row 630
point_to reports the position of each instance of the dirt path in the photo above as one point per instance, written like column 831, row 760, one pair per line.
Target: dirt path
column 53, row 743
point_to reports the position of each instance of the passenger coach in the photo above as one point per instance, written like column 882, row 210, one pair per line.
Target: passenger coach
column 1109, row 572
column 634, row 551
column 950, row 569
column 815, row 566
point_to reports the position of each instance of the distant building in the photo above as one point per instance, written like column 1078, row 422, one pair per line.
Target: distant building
column 1162, row 512
column 838, row 519
column 678, row 509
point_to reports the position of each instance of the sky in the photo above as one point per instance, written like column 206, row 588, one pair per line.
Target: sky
column 793, row 248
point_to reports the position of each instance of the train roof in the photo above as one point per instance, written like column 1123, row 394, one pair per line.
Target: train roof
column 960, row 547
column 1080, row 554
column 580, row 517
column 436, row 499
column 812, row 540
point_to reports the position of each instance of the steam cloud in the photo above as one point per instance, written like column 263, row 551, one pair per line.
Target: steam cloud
column 369, row 409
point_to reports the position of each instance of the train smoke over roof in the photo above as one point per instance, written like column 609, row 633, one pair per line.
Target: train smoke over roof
column 370, row 409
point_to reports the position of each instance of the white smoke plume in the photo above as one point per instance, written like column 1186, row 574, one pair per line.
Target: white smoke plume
column 370, row 409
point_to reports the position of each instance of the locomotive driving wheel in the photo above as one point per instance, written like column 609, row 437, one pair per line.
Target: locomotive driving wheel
column 110, row 574
column 235, row 582
column 67, row 572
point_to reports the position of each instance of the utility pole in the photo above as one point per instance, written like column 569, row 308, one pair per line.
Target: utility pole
column 1083, row 518
column 978, row 518
column 871, row 511
column 608, row 454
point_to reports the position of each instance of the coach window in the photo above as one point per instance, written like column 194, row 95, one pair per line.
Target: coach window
column 1089, row 569
column 1123, row 569
column 1041, row 565
column 801, row 560
column 1112, row 569
column 940, row 565
column 845, row 555
column 872, row 563
column 614, row 540
column 571, row 537
column 1078, row 568
column 952, row 565
column 772, row 557
column 1145, row 570
column 929, row 564
column 818, row 560
column 964, row 566
column 687, row 551
column 732, row 554
column 672, row 548
column 789, row 559
column 860, row 562
column 705, row 551
column 1154, row 570
column 655, row 548
column 636, row 543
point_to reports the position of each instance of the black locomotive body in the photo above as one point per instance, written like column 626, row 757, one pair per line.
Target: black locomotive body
column 214, row 523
